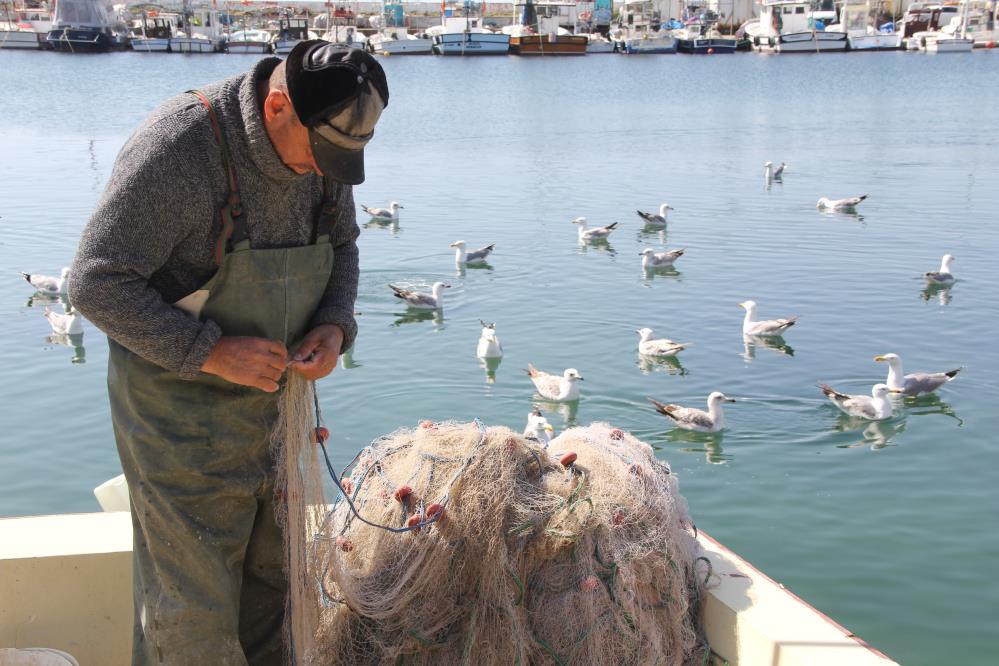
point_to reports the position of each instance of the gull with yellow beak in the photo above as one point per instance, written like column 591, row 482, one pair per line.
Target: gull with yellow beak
column 916, row 383
column 766, row 327
column 538, row 427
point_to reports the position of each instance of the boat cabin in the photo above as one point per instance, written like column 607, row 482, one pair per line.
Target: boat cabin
column 924, row 17
column 549, row 15
column 783, row 17
column 156, row 25
column 293, row 28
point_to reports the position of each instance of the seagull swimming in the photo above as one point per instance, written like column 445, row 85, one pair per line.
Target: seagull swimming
column 538, row 428
column 489, row 344
column 876, row 407
column 656, row 220
column 386, row 214
column 750, row 326
column 463, row 256
column 661, row 347
column 70, row 323
column 768, row 171
column 423, row 301
column 596, row 233
column 698, row 420
column 652, row 259
column 915, row 383
column 840, row 204
column 48, row 284
column 779, row 171
column 555, row 388
column 942, row 276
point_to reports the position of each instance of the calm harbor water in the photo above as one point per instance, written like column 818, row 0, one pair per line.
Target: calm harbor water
column 889, row 527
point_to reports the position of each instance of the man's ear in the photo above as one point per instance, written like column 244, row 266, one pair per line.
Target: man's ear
column 276, row 103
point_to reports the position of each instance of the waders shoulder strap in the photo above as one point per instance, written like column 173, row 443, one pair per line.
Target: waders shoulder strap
column 327, row 212
column 232, row 209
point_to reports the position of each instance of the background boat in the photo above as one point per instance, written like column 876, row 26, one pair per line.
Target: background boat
column 83, row 26
column 641, row 30
column 542, row 28
column 23, row 27
column 461, row 32
column 393, row 36
column 290, row 31
column 789, row 26
column 152, row 31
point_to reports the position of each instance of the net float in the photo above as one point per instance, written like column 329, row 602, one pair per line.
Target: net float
column 344, row 544
column 616, row 434
column 635, row 469
column 426, row 424
column 435, row 509
column 414, row 522
column 348, row 486
column 618, row 517
column 402, row 493
column 589, row 584
column 568, row 459
column 320, row 434
column 510, row 445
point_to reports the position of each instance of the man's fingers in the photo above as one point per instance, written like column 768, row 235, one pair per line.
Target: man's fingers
column 272, row 373
column 309, row 346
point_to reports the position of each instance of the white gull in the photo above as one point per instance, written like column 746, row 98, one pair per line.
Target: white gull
column 873, row 408
column 915, row 383
column 596, row 233
column 557, row 388
column 750, row 325
column 652, row 259
column 465, row 256
column 656, row 220
column 48, row 284
column 697, row 420
column 661, row 347
column 420, row 300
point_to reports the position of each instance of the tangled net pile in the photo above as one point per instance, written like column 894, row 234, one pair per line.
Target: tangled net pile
column 581, row 553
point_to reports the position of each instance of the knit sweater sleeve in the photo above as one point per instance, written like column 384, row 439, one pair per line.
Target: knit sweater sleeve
column 150, row 205
column 337, row 305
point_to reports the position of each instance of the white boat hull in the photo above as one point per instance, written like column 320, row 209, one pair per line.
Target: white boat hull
column 19, row 39
column 285, row 46
column 419, row 46
column 150, row 45
column 189, row 45
column 949, row 45
column 650, row 45
column 600, row 47
column 472, row 43
column 804, row 42
column 876, row 42
column 248, row 47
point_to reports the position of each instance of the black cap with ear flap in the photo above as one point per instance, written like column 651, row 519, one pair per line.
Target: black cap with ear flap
column 338, row 94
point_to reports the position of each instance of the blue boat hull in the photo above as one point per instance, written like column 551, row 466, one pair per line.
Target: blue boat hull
column 705, row 46
column 81, row 40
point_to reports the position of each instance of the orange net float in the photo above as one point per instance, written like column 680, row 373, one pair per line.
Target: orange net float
column 320, row 434
column 568, row 459
column 414, row 522
column 435, row 509
column 344, row 544
column 402, row 493
column 426, row 424
column 589, row 584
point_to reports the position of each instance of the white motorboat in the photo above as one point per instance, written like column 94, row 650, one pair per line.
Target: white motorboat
column 921, row 19
column 207, row 37
column 597, row 43
column 83, row 26
column 250, row 40
column 341, row 28
column 393, row 36
column 640, row 30
column 788, row 26
column 24, row 27
column 151, row 33
column 291, row 31
column 857, row 19
column 981, row 22
column 952, row 38
column 462, row 33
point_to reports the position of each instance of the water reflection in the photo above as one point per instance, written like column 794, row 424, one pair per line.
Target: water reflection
column 776, row 343
column 599, row 245
column 567, row 410
column 940, row 292
column 73, row 341
column 490, row 365
column 875, row 434
column 347, row 360
column 416, row 316
column 708, row 443
column 927, row 405
column 391, row 225
column 669, row 364
column 652, row 230
column 662, row 272
column 462, row 269
column 43, row 299
column 843, row 215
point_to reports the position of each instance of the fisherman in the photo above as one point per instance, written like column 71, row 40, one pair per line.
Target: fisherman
column 221, row 256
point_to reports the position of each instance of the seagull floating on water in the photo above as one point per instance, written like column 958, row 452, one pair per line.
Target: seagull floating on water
column 915, row 383
column 554, row 387
column 384, row 214
column 70, row 323
column 489, row 344
column 596, row 233
column 661, row 347
column 48, row 284
column 697, row 420
column 538, row 428
column 779, row 171
column 464, row 256
column 875, row 407
column 656, row 220
column 420, row 300
column 942, row 276
column 652, row 259
column 771, row 327
column 840, row 204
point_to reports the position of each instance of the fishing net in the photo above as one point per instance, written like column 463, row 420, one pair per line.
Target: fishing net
column 454, row 543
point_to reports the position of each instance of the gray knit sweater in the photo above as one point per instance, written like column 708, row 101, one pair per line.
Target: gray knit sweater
column 151, row 239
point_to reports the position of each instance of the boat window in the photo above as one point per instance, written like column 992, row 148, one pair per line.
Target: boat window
column 787, row 10
column 799, row 10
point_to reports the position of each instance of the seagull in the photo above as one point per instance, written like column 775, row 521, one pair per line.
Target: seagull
column 386, row 214
column 538, row 427
column 698, row 420
column 48, row 284
column 661, row 347
column 596, row 233
column 779, row 171
column 942, row 276
column 762, row 328
column 768, row 171
column 840, row 204
column 916, row 383
column 422, row 301
column 652, row 259
column 463, row 256
column 656, row 220
column 70, row 323
column 874, row 408
column 555, row 388
column 489, row 344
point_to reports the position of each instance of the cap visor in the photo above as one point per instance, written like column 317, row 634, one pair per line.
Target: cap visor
column 342, row 165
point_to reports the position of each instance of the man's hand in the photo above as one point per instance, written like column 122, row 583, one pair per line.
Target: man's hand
column 255, row 362
column 318, row 354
